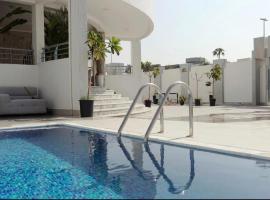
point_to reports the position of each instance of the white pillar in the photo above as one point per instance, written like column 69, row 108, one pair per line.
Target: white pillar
column 78, row 51
column 136, row 58
column 38, row 38
column 254, row 81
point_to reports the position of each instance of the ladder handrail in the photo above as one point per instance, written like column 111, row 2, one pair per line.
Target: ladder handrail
column 134, row 103
column 150, row 128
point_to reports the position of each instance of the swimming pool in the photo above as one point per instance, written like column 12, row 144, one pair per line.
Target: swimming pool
column 63, row 162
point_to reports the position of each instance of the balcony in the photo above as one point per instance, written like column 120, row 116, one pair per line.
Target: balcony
column 16, row 56
column 55, row 52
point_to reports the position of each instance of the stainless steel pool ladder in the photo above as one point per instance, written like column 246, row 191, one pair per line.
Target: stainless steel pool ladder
column 160, row 109
column 134, row 103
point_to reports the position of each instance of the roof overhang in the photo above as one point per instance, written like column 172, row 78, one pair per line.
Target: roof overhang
column 125, row 19
column 120, row 18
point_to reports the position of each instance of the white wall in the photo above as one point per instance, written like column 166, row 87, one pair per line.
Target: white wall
column 18, row 75
column 55, row 84
column 127, row 85
column 238, row 82
column 170, row 76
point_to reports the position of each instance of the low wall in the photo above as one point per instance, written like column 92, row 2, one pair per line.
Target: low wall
column 127, row 85
column 169, row 77
column 55, row 85
column 13, row 75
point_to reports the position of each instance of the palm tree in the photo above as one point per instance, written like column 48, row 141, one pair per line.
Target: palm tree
column 98, row 48
column 114, row 46
column 219, row 52
column 15, row 22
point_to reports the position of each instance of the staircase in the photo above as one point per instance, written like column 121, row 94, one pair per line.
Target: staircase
column 109, row 104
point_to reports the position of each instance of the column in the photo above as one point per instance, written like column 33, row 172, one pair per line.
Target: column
column 38, row 36
column 78, row 51
column 255, row 82
column 136, row 78
column 136, row 58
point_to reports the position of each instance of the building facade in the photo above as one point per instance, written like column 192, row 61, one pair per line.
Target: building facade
column 62, row 82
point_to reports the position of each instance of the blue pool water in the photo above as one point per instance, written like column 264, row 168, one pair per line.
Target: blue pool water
column 61, row 162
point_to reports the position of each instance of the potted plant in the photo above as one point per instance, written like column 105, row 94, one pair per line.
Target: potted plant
column 208, row 84
column 197, row 102
column 151, row 71
column 182, row 100
column 98, row 48
column 197, row 79
column 87, row 105
column 155, row 97
column 217, row 52
column 214, row 75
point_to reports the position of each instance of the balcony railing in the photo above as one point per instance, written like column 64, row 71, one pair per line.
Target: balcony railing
column 16, row 56
column 55, row 52
column 119, row 70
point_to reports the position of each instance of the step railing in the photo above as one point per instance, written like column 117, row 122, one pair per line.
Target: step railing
column 134, row 103
column 160, row 109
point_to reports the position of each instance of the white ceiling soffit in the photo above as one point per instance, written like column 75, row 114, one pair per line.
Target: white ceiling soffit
column 119, row 18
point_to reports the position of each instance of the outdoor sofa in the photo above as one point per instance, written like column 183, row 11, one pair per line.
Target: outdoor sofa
column 21, row 101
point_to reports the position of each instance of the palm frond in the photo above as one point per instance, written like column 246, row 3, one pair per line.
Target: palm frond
column 15, row 22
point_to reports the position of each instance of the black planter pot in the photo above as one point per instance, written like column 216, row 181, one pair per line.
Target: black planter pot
column 211, row 97
column 197, row 102
column 155, row 99
column 87, row 108
column 148, row 103
column 212, row 102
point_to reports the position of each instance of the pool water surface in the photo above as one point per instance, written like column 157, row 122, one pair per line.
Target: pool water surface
column 62, row 162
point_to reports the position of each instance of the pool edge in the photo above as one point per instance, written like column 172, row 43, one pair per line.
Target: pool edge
column 233, row 151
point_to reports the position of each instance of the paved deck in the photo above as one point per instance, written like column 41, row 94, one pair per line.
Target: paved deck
column 241, row 130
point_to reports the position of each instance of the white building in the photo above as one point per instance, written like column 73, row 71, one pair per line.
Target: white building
column 244, row 82
column 63, row 82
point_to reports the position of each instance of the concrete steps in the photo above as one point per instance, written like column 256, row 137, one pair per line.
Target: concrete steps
column 111, row 101
column 108, row 103
column 118, row 111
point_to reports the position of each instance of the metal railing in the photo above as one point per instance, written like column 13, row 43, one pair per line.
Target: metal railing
column 160, row 109
column 55, row 52
column 16, row 56
column 119, row 70
column 134, row 103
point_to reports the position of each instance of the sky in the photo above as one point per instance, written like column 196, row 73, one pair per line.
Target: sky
column 194, row 28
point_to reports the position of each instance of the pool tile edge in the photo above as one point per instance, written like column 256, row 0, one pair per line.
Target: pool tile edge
column 235, row 151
